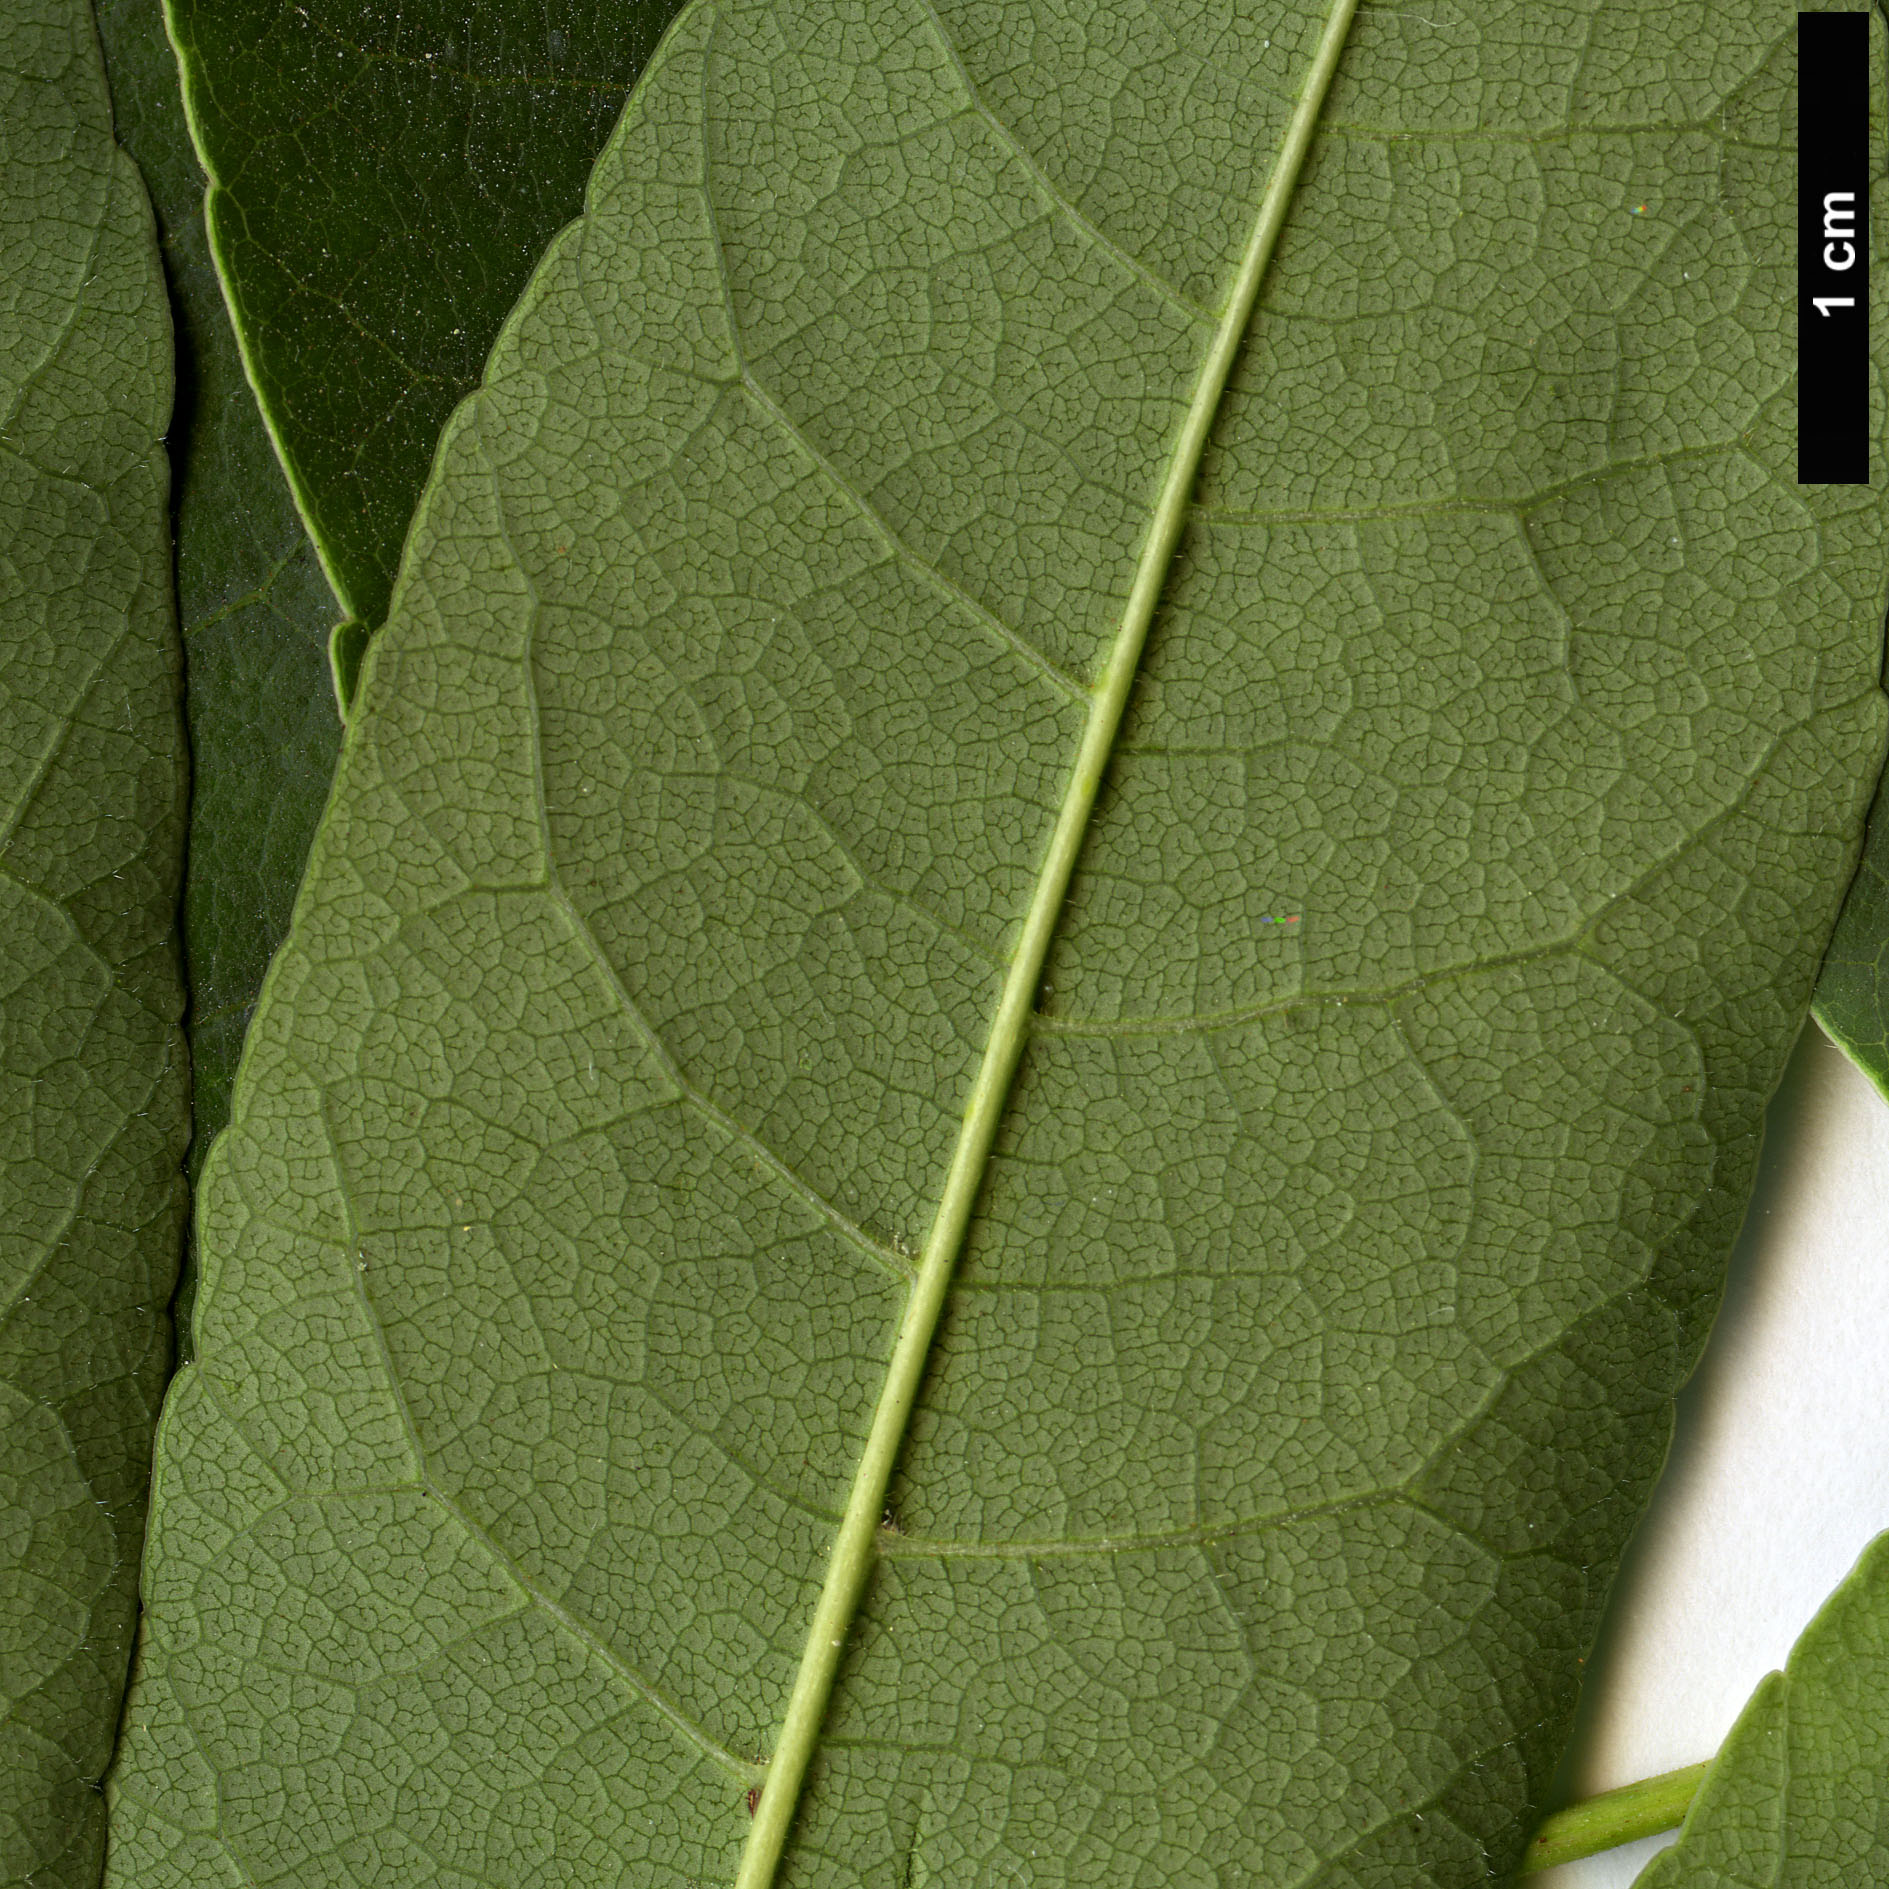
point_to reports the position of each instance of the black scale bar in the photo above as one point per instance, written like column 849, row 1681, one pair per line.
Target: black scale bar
column 1833, row 248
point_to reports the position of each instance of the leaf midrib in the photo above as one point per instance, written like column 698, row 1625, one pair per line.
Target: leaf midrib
column 855, row 1547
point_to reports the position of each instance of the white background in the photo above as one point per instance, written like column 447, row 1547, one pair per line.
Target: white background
column 1780, row 1467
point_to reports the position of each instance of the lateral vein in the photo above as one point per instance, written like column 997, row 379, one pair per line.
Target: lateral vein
column 901, row 552
column 1052, row 192
column 855, row 1549
column 892, row 1262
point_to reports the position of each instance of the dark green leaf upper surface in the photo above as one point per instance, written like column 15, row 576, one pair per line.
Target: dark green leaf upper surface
column 386, row 177
column 93, row 1082
column 1497, row 762
column 1796, row 1798
column 256, row 609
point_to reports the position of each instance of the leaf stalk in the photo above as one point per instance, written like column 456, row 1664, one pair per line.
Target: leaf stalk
column 1605, row 1822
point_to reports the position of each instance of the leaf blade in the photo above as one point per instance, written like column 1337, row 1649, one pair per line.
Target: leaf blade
column 93, row 1080
column 381, row 186
column 850, row 1565
column 651, row 946
column 1794, row 1796
column 256, row 605
column 254, row 608
column 1852, row 1001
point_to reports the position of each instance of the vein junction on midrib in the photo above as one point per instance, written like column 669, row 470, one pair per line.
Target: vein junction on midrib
column 856, row 1546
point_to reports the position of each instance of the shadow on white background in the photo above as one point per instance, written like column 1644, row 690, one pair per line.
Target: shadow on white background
column 1780, row 1466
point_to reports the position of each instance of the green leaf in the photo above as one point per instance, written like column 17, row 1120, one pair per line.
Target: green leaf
column 384, row 179
column 347, row 645
column 789, row 1146
column 93, row 1081
column 1795, row 1798
column 256, row 609
column 1852, row 1000
column 1852, row 996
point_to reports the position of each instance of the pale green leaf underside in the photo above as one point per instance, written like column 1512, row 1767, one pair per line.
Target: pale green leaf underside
column 1795, row 1799
column 1497, row 764
column 93, row 1098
